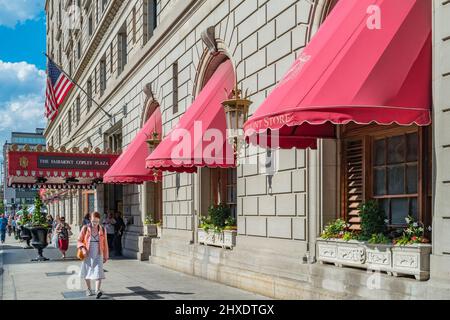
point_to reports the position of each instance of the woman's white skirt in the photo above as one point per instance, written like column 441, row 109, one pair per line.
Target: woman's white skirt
column 92, row 265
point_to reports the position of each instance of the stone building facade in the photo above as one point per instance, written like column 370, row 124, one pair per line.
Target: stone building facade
column 123, row 47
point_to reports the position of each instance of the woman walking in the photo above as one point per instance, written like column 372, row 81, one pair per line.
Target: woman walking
column 10, row 227
column 62, row 230
column 14, row 226
column 56, row 222
column 93, row 242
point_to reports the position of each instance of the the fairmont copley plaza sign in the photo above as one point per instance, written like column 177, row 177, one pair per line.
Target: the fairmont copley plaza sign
column 58, row 162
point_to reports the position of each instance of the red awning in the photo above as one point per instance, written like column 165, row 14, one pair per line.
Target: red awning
column 352, row 73
column 130, row 167
column 199, row 139
column 56, row 170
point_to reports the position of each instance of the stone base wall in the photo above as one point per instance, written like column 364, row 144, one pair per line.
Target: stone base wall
column 283, row 277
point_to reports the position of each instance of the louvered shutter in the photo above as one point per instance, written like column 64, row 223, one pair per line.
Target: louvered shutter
column 354, row 180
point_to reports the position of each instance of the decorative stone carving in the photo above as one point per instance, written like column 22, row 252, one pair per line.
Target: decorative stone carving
column 394, row 260
column 351, row 253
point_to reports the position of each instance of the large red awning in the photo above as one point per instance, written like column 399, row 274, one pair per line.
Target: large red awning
column 56, row 170
column 353, row 71
column 130, row 167
column 199, row 139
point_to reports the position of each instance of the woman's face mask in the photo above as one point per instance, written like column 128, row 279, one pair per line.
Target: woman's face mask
column 95, row 222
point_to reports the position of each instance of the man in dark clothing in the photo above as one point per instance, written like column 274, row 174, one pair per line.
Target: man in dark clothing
column 119, row 228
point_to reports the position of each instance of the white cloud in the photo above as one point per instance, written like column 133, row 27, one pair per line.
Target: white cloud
column 13, row 12
column 25, row 113
column 20, row 78
column 22, row 98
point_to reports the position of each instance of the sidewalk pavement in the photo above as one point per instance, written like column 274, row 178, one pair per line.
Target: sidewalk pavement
column 57, row 279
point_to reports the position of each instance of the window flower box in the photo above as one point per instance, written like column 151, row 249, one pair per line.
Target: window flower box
column 224, row 239
column 395, row 260
column 151, row 230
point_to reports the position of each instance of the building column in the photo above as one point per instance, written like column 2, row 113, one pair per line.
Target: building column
column 100, row 199
column 440, row 259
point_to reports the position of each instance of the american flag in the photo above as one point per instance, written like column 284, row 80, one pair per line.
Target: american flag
column 58, row 86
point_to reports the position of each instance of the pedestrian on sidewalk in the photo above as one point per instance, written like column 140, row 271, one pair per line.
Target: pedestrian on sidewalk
column 14, row 226
column 119, row 228
column 10, row 225
column 50, row 220
column 3, row 227
column 109, row 224
column 50, row 226
column 86, row 220
column 63, row 232
column 93, row 241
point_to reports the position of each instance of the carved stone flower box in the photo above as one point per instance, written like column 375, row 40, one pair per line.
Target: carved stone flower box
column 394, row 260
column 224, row 239
column 150, row 230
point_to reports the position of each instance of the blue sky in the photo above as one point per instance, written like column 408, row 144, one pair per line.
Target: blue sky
column 22, row 66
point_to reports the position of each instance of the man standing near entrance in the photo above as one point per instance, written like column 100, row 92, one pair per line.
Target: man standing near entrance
column 119, row 229
column 109, row 223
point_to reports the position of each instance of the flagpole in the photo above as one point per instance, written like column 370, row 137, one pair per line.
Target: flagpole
column 79, row 87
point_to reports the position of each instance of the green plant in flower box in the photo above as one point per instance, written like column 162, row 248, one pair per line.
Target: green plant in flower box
column 412, row 234
column 379, row 238
column 349, row 235
column 218, row 219
column 148, row 220
column 373, row 220
column 230, row 224
column 334, row 229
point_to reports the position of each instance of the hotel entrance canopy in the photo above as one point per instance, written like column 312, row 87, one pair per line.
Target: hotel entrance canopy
column 38, row 168
column 370, row 62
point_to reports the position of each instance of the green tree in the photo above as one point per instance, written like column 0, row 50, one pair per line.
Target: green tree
column 38, row 218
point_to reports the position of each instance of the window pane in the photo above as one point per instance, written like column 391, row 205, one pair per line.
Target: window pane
column 396, row 179
column 384, row 205
column 379, row 151
column 411, row 178
column 396, row 149
column 412, row 151
column 399, row 211
column 413, row 208
column 379, row 185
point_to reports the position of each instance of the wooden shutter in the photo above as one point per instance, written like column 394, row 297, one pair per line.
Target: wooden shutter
column 353, row 167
